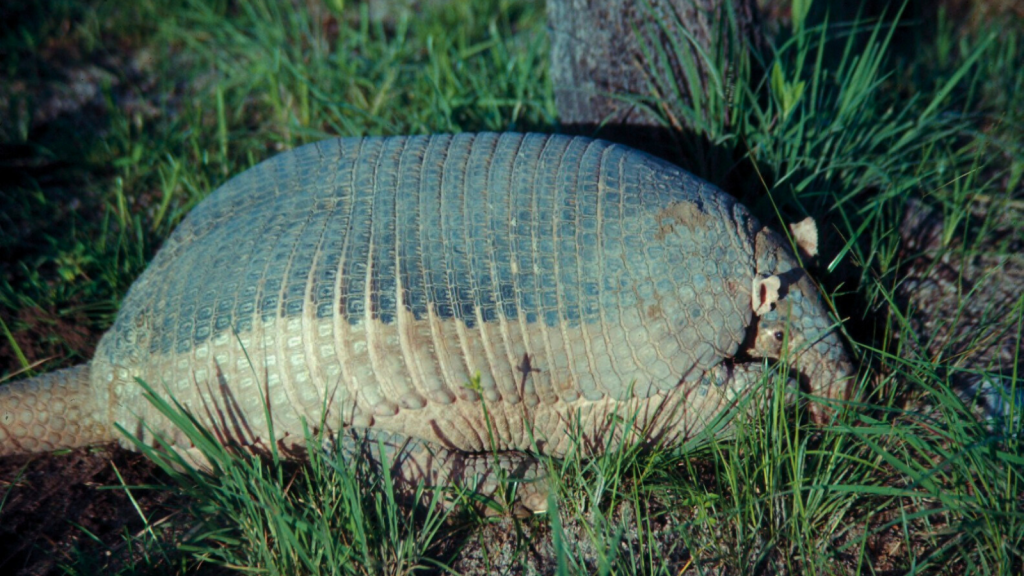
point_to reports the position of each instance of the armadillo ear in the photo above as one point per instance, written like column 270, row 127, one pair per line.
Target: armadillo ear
column 805, row 233
column 765, row 294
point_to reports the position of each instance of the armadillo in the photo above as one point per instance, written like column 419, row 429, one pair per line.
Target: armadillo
column 452, row 298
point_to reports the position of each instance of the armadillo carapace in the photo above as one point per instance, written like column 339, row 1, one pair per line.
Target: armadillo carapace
column 362, row 284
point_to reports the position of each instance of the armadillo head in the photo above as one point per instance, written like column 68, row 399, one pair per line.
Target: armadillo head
column 793, row 324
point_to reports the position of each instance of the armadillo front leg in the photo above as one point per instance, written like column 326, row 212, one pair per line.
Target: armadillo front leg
column 414, row 462
column 731, row 381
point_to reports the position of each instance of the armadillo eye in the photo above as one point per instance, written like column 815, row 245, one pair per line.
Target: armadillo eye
column 778, row 336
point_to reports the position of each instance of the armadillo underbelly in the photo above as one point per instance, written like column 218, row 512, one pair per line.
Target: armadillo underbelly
column 367, row 281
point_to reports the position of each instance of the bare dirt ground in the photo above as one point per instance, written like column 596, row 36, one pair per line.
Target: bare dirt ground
column 53, row 503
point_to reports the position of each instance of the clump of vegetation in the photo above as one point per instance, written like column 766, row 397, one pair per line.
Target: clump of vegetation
column 117, row 119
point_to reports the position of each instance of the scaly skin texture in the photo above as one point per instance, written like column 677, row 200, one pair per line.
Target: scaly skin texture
column 361, row 284
column 56, row 410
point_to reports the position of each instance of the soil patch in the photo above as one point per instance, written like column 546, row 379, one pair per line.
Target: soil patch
column 51, row 503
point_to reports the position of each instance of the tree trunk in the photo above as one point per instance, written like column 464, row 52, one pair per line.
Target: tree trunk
column 609, row 58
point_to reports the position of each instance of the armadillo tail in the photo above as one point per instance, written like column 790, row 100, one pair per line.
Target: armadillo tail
column 55, row 410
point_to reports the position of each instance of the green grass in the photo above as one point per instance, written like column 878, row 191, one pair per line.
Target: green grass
column 848, row 120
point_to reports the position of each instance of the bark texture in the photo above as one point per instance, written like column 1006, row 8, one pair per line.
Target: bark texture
column 604, row 54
